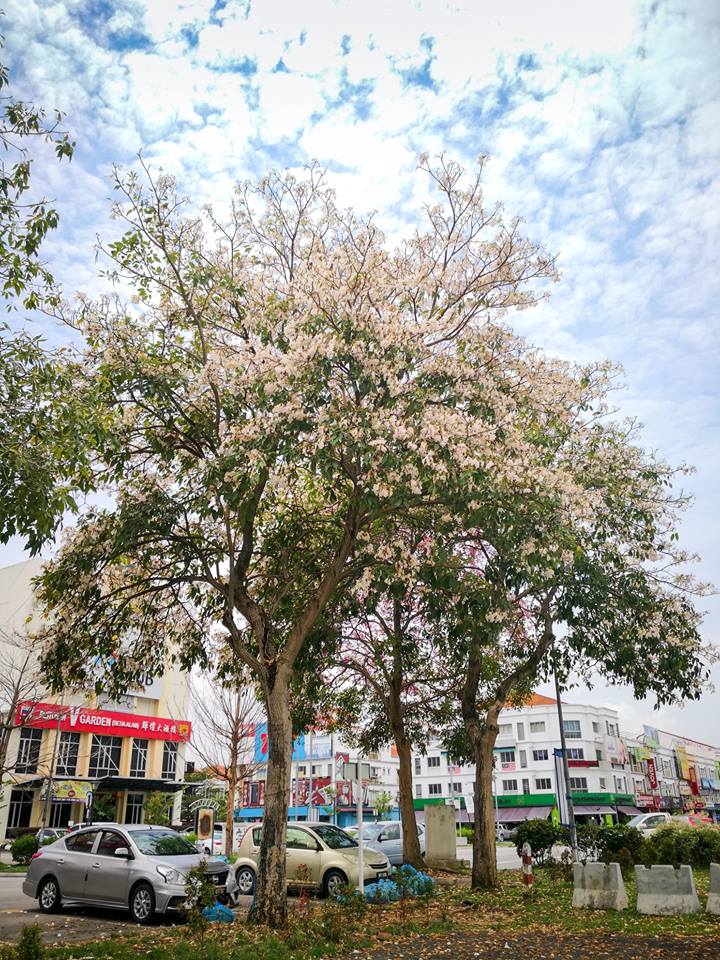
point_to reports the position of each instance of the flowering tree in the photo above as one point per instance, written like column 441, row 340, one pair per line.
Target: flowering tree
column 284, row 395
column 604, row 566
column 389, row 655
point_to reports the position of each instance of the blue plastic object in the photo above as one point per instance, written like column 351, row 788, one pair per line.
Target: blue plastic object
column 218, row 914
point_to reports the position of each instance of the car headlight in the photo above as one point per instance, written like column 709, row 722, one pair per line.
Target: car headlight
column 170, row 874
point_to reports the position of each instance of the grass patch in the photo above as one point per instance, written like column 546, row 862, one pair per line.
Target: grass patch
column 13, row 868
column 319, row 930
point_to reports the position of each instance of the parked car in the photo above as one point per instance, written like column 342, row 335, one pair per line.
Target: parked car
column 132, row 867
column 504, row 831
column 387, row 836
column 320, row 856
column 50, row 834
column 693, row 820
column 217, row 844
column 649, row 822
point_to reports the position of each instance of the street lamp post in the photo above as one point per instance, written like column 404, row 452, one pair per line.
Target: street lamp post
column 566, row 770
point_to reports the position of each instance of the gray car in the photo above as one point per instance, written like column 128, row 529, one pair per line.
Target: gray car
column 386, row 836
column 132, row 867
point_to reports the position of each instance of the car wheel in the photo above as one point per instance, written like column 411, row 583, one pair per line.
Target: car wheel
column 49, row 895
column 142, row 903
column 333, row 881
column 245, row 879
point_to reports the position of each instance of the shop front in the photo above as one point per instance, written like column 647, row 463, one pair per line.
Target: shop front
column 75, row 763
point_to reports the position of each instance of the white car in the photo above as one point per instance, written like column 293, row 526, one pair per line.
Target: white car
column 649, row 822
column 216, row 846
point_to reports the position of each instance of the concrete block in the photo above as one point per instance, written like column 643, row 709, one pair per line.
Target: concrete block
column 440, row 837
column 598, row 886
column 665, row 891
column 713, row 903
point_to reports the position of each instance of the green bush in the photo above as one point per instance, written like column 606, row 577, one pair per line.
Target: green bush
column 611, row 841
column 676, row 845
column 587, row 841
column 22, row 848
column 30, row 945
column 542, row 835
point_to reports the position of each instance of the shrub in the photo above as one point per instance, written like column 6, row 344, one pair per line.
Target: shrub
column 542, row 835
column 695, row 846
column 588, row 841
column 201, row 895
column 22, row 848
column 611, row 841
column 30, row 945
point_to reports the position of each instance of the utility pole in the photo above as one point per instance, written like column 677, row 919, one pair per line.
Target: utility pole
column 566, row 769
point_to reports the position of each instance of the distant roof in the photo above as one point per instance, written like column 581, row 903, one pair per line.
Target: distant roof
column 534, row 700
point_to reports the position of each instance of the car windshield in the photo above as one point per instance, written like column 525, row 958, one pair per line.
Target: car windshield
column 333, row 836
column 636, row 821
column 162, row 843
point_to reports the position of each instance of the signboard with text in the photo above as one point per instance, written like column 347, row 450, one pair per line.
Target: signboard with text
column 54, row 716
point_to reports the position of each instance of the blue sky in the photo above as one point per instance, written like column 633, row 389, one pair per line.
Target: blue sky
column 602, row 122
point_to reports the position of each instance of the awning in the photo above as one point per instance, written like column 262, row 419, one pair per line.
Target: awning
column 585, row 809
column 628, row 811
column 516, row 814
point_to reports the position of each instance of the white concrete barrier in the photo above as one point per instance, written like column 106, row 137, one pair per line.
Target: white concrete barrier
column 713, row 903
column 665, row 891
column 598, row 886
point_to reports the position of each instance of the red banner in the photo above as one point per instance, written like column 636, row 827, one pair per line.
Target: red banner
column 693, row 780
column 651, row 773
column 53, row 716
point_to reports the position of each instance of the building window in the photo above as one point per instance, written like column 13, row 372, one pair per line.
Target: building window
column 598, row 755
column 612, row 729
column 138, row 758
column 28, row 753
column 509, row 786
column 435, row 789
column 523, row 758
column 540, row 754
column 418, row 766
column 602, row 783
column 134, row 808
column 169, row 760
column 105, row 756
column 543, row 783
column 507, row 756
column 67, row 757
column 526, row 786
column 579, row 784
column 596, row 726
column 537, row 726
column 576, row 753
column 418, row 789
column 456, row 787
column 572, row 729
column 20, row 809
column 521, row 731
column 504, row 729
column 433, row 762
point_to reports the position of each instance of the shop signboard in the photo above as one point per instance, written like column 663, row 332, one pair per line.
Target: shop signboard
column 692, row 776
column 262, row 745
column 75, row 791
column 651, row 773
column 54, row 716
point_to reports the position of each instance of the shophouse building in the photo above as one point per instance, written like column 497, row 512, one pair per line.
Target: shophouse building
column 74, row 755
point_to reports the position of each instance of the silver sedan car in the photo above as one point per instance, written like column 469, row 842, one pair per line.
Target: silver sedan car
column 132, row 867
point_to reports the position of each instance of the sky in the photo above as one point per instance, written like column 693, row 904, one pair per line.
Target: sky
column 601, row 121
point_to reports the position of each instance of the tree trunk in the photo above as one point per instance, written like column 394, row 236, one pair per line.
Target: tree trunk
column 230, row 812
column 411, row 842
column 270, row 903
column 484, row 865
